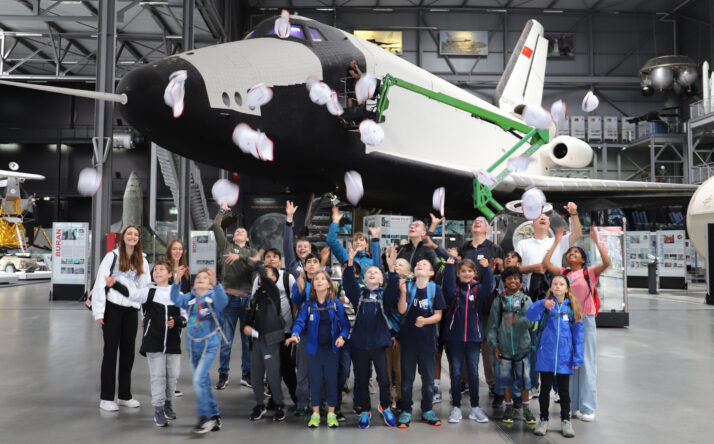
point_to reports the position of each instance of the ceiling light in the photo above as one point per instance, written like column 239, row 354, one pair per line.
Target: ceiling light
column 324, row 9
column 552, row 11
column 382, row 9
column 439, row 10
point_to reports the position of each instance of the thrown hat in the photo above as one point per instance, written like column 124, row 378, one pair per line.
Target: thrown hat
column 253, row 142
column 590, row 102
column 371, row 133
column 259, row 95
column 333, row 105
column 320, row 93
column 437, row 200
column 90, row 180
column 536, row 117
column 517, row 164
column 486, row 178
column 559, row 111
column 353, row 187
column 532, row 203
column 365, row 87
column 282, row 24
column 225, row 191
column 175, row 92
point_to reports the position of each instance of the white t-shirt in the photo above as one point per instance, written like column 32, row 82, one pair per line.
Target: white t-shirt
column 533, row 251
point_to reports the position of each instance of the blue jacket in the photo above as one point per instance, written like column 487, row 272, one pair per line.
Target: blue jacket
column 203, row 311
column 365, row 260
column 372, row 329
column 562, row 341
column 463, row 318
column 340, row 324
column 297, row 297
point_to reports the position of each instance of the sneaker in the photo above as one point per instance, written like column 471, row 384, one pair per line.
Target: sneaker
column 478, row 415
column 357, row 410
column 340, row 416
column 332, row 421
column 279, row 414
column 314, row 421
column 541, row 428
column 222, row 381
column 437, row 395
column 508, row 415
column 364, row 419
column 204, row 425
column 258, row 412
column 431, row 418
column 109, row 406
column 586, row 417
column 556, row 398
column 300, row 410
column 455, row 416
column 160, row 418
column 528, row 416
column 534, row 392
column 178, row 393
column 169, row 410
column 404, row 419
column 568, row 431
column 497, row 401
column 132, row 403
column 218, row 423
column 464, row 387
column 245, row 381
column 388, row 416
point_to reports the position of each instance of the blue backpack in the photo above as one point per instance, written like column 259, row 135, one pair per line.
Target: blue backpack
column 430, row 292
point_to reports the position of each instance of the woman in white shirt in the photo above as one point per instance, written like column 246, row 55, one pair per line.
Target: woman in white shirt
column 118, row 316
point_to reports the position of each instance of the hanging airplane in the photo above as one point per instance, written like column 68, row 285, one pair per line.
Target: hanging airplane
column 427, row 144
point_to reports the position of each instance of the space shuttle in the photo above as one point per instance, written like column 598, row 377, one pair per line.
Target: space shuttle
column 427, row 144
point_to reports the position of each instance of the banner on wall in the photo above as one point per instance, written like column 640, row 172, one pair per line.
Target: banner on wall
column 202, row 253
column 671, row 253
column 70, row 249
column 395, row 229
column 639, row 248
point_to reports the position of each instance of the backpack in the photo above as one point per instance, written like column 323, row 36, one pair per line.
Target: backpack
column 380, row 301
column 430, row 293
column 591, row 292
column 88, row 302
column 539, row 326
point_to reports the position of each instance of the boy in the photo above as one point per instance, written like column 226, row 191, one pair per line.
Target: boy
column 161, row 341
column 346, row 358
column 203, row 339
column 510, row 339
column 364, row 258
column 264, row 324
column 420, row 303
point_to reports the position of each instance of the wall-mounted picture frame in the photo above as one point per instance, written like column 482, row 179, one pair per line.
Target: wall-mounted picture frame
column 389, row 40
column 560, row 45
column 463, row 43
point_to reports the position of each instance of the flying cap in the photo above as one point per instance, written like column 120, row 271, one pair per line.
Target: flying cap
column 437, row 200
column 517, row 164
column 590, row 102
column 532, row 203
column 365, row 87
column 282, row 24
column 536, row 117
column 559, row 111
column 486, row 178
column 371, row 133
column 225, row 191
column 259, row 95
column 353, row 187
column 89, row 182
column 175, row 92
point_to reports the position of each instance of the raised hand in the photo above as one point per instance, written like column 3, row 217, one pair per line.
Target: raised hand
column 452, row 261
column 212, row 276
column 483, row 262
column 225, row 207
column 571, row 208
column 429, row 242
column 301, row 282
column 324, row 255
column 435, row 221
column 351, row 254
column 336, row 215
column 290, row 210
column 182, row 270
column 593, row 234
column 374, row 231
column 257, row 256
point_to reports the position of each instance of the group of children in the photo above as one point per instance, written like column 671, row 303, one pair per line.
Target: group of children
column 389, row 323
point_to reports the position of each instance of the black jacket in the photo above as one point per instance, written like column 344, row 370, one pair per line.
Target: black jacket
column 414, row 255
column 264, row 311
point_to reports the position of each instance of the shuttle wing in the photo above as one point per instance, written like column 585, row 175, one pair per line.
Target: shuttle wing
column 575, row 186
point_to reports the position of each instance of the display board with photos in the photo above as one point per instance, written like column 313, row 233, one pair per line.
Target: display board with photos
column 468, row 43
column 202, row 251
column 395, row 228
column 671, row 253
column 640, row 245
column 611, row 287
column 70, row 252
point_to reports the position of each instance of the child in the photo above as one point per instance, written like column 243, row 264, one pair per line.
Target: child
column 559, row 348
column 203, row 338
column 264, row 325
column 359, row 243
column 394, row 361
column 420, row 303
column 346, row 357
column 161, row 341
column 510, row 339
column 371, row 336
column 583, row 391
column 295, row 256
column 464, row 330
column 327, row 327
column 300, row 291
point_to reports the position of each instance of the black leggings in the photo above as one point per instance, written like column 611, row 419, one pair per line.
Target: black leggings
column 546, row 382
column 119, row 331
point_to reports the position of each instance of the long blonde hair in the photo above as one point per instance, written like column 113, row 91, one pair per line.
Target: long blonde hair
column 330, row 288
column 577, row 311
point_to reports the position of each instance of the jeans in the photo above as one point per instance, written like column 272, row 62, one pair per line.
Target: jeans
column 546, row 380
column 302, row 389
column 234, row 311
column 202, row 354
column 497, row 388
column 457, row 351
column 488, row 367
column 323, row 369
column 514, row 374
column 164, row 371
column 363, row 361
column 119, row 331
column 346, row 359
column 583, row 391
column 266, row 362
column 426, row 363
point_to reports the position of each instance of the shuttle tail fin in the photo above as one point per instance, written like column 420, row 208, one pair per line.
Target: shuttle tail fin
column 522, row 81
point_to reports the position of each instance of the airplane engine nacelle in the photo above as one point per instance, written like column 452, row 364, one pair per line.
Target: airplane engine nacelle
column 569, row 152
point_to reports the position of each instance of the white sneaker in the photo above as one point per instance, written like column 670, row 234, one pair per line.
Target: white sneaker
column 437, row 395
column 556, row 397
column 478, row 415
column 133, row 403
column 534, row 393
column 455, row 415
column 586, row 417
column 109, row 406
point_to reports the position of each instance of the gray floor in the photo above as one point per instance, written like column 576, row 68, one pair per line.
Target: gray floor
column 654, row 383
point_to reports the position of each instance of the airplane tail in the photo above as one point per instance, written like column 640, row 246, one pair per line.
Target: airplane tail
column 522, row 81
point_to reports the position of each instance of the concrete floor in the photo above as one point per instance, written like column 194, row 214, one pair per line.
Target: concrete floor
column 654, row 384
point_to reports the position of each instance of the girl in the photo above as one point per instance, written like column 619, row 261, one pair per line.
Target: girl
column 176, row 256
column 118, row 316
column 203, row 337
column 327, row 327
column 464, row 329
column 559, row 348
column 583, row 391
